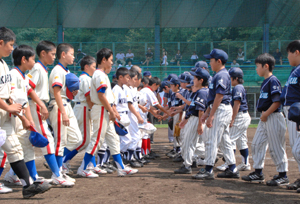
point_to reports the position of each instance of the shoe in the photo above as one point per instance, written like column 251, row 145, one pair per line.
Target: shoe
column 126, row 171
column 135, row 164
column 278, row 181
column 294, row 186
column 204, row 175
column 12, row 179
column 66, row 168
column 183, row 170
column 86, row 173
column 254, row 177
column 149, row 157
column 244, row 167
column 200, row 162
column 61, row 181
column 152, row 142
column 194, row 165
column 178, row 159
column 298, row 190
column 99, row 170
column 42, row 179
column 171, row 154
column 144, row 161
column 35, row 188
column 110, row 166
column 229, row 174
column 4, row 189
column 152, row 153
column 68, row 178
column 223, row 167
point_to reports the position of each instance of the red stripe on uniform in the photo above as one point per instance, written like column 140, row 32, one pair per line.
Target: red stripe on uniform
column 56, row 84
column 99, row 131
column 84, row 129
column 32, row 84
column 87, row 93
column 29, row 91
column 42, row 127
column 58, row 133
column 102, row 86
column 3, row 160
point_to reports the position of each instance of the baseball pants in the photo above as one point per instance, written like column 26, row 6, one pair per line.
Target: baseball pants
column 65, row 136
column 200, row 145
column 238, row 132
column 218, row 135
column 126, row 139
column 270, row 133
column 3, row 158
column 177, row 140
column 134, row 132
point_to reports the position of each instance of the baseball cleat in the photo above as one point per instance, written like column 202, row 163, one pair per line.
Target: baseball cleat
column 278, row 181
column 86, row 173
column 223, row 167
column 171, row 154
column 178, row 158
column 229, row 174
column 12, row 179
column 35, row 188
column 204, row 175
column 135, row 164
column 254, row 177
column 99, row 170
column 183, row 170
column 66, row 168
column 68, row 178
column 61, row 181
column 152, row 153
column 244, row 167
column 126, row 171
column 4, row 189
column 294, row 186
column 42, row 179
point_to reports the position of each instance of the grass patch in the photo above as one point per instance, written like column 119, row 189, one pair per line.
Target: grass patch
column 166, row 125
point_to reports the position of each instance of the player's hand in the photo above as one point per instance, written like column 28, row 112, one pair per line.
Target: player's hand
column 178, row 95
column 156, row 112
column 209, row 121
column 75, row 92
column 118, row 116
column 144, row 109
column 231, row 123
column 263, row 117
column 44, row 113
column 203, row 118
column 65, row 119
column 26, row 124
column 140, row 120
column 32, row 123
column 183, row 123
column 200, row 129
column 112, row 116
column 14, row 109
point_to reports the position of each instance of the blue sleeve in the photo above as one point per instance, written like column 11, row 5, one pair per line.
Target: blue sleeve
column 275, row 87
column 201, row 101
column 275, row 97
column 221, row 85
column 102, row 90
column 237, row 94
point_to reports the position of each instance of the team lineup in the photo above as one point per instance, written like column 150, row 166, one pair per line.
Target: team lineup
column 207, row 117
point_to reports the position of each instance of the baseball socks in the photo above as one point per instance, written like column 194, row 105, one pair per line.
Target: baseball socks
column 101, row 155
column 32, row 169
column 245, row 155
column 50, row 158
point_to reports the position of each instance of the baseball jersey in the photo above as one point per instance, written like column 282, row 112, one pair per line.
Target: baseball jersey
column 198, row 102
column 38, row 80
column 84, row 87
column 120, row 98
column 269, row 93
column 174, row 101
column 20, row 82
column 291, row 90
column 184, row 93
column 151, row 98
column 220, row 84
column 101, row 83
column 188, row 97
column 239, row 94
column 58, row 78
column 132, row 98
column 5, row 80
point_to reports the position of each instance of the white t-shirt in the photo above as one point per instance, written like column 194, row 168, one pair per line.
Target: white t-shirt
column 5, row 80
column 194, row 57
column 130, row 55
column 240, row 56
column 58, row 78
column 120, row 56
column 121, row 98
column 151, row 98
column 84, row 87
column 165, row 58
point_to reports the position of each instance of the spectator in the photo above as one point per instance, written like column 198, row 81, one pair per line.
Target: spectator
column 194, row 58
column 120, row 59
column 235, row 64
column 240, row 56
column 164, row 59
column 278, row 57
column 164, row 51
column 79, row 56
column 149, row 56
column 129, row 58
column 178, row 57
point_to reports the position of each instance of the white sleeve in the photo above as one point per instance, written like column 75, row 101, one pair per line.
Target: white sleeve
column 152, row 98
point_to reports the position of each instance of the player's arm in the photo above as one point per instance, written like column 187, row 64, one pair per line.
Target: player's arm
column 200, row 124
column 235, row 110
column 107, row 106
column 37, row 100
column 28, row 115
column 58, row 99
column 137, row 114
column 178, row 95
column 89, row 101
column 216, row 104
column 273, row 107
column 143, row 108
column 14, row 109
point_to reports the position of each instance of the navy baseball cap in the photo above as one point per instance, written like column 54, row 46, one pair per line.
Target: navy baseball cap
column 147, row 73
column 172, row 76
column 217, row 54
column 72, row 84
column 120, row 129
column 164, row 83
column 37, row 139
column 200, row 64
column 114, row 76
column 175, row 81
column 191, row 79
column 183, row 78
column 202, row 73
column 235, row 72
column 190, row 85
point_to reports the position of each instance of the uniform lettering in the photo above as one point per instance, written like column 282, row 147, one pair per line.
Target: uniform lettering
column 5, row 79
column 292, row 80
column 263, row 95
column 122, row 100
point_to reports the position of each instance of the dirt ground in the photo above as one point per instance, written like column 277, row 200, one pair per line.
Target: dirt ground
column 156, row 183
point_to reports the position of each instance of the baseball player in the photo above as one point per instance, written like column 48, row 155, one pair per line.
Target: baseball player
column 203, row 65
column 196, row 108
column 12, row 146
column 62, row 118
column 271, row 127
column 218, row 115
column 103, row 115
column 240, row 119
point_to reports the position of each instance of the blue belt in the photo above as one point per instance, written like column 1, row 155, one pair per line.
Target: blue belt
column 124, row 112
column 77, row 103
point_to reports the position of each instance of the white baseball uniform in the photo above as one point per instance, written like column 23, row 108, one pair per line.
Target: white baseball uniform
column 65, row 136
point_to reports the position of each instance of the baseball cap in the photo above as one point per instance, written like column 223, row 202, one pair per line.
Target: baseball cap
column 183, row 78
column 202, row 73
column 120, row 129
column 72, row 84
column 294, row 114
column 175, row 81
column 236, row 72
column 164, row 83
column 37, row 139
column 172, row 76
column 200, row 64
column 190, row 85
column 217, row 54
column 190, row 78
column 147, row 73
column 114, row 76
column 79, row 50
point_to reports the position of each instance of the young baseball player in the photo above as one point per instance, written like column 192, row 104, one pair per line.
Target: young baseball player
column 196, row 108
column 291, row 95
column 271, row 127
column 38, row 80
column 62, row 118
column 12, row 146
column 240, row 119
column 103, row 115
column 218, row 116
